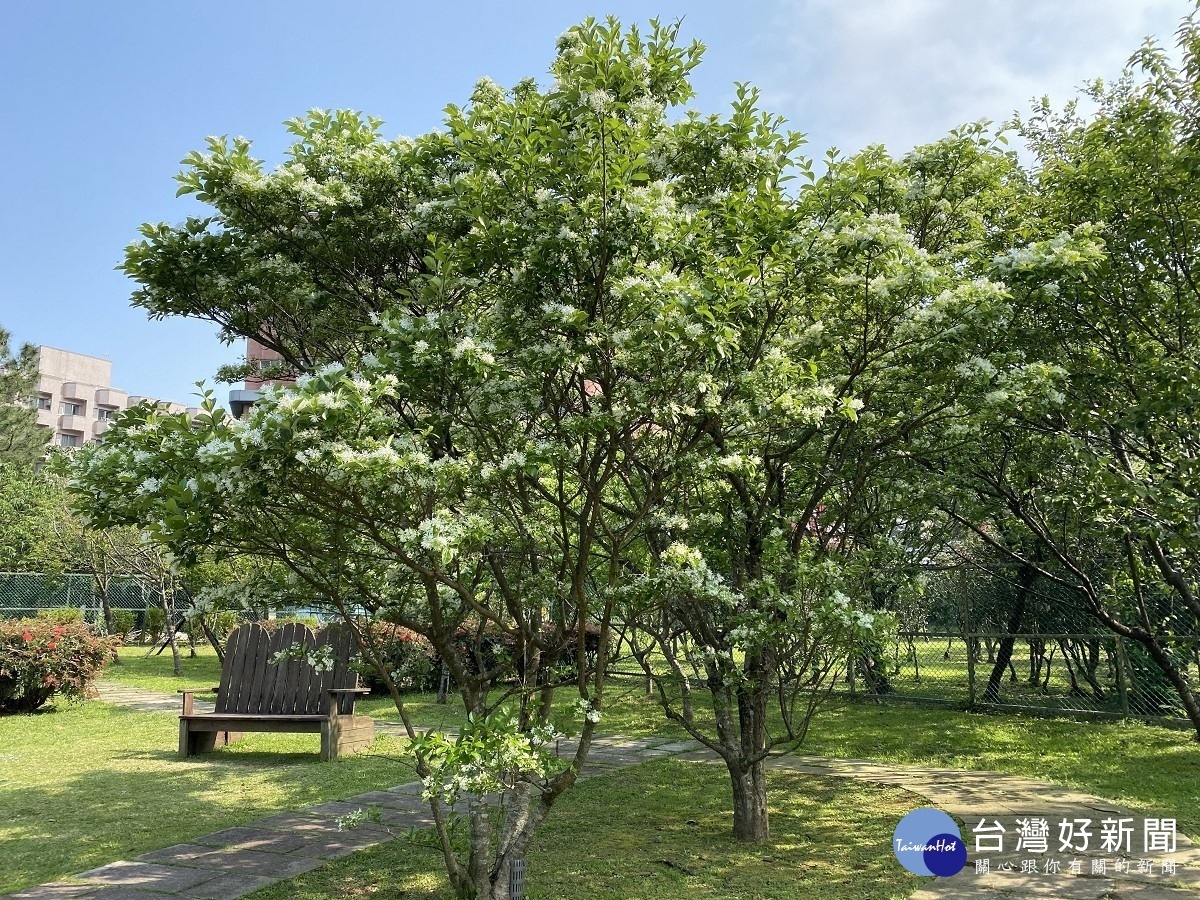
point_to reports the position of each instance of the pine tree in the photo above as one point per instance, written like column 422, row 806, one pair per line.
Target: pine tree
column 21, row 440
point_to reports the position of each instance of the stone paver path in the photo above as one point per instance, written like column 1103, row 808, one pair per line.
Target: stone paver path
column 143, row 700
column 236, row 861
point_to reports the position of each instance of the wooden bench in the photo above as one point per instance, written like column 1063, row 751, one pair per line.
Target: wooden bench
column 256, row 694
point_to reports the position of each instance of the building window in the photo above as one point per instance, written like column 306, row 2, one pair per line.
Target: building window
column 69, row 440
column 105, row 413
column 67, row 408
column 41, row 401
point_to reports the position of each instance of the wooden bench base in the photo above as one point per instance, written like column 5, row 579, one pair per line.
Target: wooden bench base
column 340, row 734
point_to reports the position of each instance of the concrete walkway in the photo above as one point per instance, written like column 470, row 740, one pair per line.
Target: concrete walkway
column 236, row 861
column 147, row 701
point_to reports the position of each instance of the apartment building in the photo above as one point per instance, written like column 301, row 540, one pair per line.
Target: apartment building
column 76, row 399
column 242, row 399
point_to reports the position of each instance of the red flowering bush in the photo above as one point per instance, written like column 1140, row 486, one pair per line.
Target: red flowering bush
column 40, row 658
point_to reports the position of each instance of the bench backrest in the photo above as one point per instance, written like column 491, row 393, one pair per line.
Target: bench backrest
column 251, row 683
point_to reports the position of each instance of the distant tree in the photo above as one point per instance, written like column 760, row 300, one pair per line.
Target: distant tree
column 31, row 505
column 1096, row 488
column 21, row 440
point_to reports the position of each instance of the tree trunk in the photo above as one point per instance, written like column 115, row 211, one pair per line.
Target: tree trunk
column 1178, row 679
column 213, row 640
column 168, row 601
column 751, row 822
column 495, row 856
column 106, row 606
column 991, row 694
column 176, row 661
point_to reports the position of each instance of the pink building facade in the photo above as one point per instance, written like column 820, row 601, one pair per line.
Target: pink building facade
column 241, row 400
column 76, row 400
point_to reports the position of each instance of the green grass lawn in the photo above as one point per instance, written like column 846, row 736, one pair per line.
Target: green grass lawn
column 153, row 673
column 86, row 785
column 1152, row 769
column 665, row 835
column 1149, row 768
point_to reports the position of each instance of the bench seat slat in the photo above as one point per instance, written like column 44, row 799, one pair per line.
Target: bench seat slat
column 256, row 717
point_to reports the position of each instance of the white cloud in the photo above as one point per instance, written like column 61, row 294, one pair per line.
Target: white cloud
column 902, row 72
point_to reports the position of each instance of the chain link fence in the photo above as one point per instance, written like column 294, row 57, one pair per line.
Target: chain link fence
column 987, row 638
column 1082, row 673
column 24, row 594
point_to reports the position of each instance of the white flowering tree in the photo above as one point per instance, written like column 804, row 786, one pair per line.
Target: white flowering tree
column 1096, row 490
column 509, row 336
column 873, row 336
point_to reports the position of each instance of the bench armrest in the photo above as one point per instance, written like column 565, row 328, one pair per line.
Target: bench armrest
column 188, row 707
column 337, row 699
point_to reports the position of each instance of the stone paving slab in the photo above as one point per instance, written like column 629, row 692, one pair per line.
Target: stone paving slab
column 228, row 887
column 274, row 865
column 289, row 821
column 151, row 876
column 253, row 839
column 52, row 891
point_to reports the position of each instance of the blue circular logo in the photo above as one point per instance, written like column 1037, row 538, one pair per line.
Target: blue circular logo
column 927, row 842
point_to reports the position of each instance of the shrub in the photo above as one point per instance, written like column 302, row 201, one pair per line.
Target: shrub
column 39, row 658
column 123, row 622
column 62, row 615
column 312, row 623
column 154, row 624
column 492, row 650
column 408, row 656
column 219, row 621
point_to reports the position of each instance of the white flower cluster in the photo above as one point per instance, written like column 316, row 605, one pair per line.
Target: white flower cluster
column 976, row 365
column 877, row 229
column 486, row 766
column 1066, row 249
column 599, row 101
column 149, row 486
column 842, row 609
column 588, row 711
column 470, row 348
column 321, row 659
column 564, row 312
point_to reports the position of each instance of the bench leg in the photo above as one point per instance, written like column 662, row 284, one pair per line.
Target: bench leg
column 193, row 742
column 343, row 735
column 331, row 733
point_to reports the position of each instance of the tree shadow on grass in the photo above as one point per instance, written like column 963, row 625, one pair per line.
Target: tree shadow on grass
column 93, row 784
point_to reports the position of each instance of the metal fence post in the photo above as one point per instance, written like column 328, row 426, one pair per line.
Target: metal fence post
column 516, row 880
column 1122, row 676
column 970, row 670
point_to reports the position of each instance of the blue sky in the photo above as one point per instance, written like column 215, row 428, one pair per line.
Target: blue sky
column 102, row 100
